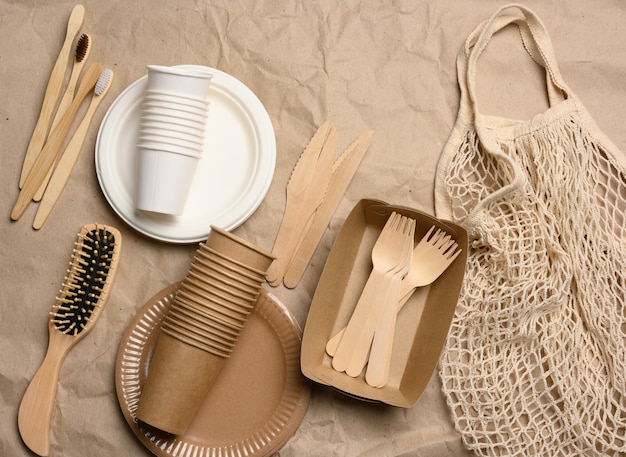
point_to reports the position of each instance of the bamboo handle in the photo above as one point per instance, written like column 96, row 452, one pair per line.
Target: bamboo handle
column 66, row 100
column 377, row 372
column 64, row 168
column 49, row 153
column 53, row 89
column 35, row 412
column 352, row 340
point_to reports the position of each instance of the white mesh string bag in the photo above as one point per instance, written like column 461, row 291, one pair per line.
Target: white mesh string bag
column 535, row 361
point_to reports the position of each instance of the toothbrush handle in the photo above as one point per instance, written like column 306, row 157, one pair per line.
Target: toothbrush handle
column 48, row 155
column 53, row 89
column 62, row 172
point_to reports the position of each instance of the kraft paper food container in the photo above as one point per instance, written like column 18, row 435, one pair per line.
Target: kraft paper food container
column 423, row 322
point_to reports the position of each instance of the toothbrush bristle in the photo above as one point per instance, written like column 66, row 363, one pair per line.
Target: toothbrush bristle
column 103, row 81
column 79, row 299
column 82, row 46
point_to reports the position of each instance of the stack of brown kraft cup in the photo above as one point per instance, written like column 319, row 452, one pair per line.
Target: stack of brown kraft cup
column 201, row 328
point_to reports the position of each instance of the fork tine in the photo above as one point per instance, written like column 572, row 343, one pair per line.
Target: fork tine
column 453, row 255
column 387, row 256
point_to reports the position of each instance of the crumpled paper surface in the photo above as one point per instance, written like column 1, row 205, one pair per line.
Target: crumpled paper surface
column 386, row 66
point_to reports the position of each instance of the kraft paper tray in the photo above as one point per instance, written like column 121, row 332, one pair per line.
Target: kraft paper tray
column 423, row 322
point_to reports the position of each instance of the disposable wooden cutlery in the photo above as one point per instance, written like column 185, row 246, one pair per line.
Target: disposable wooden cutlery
column 305, row 192
column 53, row 89
column 431, row 257
column 314, row 191
column 391, row 255
column 341, row 174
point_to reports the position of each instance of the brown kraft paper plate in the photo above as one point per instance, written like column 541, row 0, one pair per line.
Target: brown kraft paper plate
column 255, row 405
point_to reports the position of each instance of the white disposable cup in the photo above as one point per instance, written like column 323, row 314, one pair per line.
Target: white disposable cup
column 160, row 133
column 174, row 122
column 170, row 114
column 187, row 147
column 164, row 179
column 169, row 147
column 149, row 123
column 158, row 104
column 189, row 82
column 176, row 98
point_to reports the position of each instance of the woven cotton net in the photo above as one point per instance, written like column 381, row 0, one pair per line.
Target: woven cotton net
column 535, row 362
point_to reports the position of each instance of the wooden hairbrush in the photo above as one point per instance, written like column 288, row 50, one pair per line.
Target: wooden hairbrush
column 84, row 292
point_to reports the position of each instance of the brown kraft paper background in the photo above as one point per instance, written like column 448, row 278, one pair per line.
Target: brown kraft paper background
column 385, row 66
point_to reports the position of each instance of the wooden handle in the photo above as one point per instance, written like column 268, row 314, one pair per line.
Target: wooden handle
column 49, row 153
column 379, row 359
column 67, row 161
column 35, row 412
column 53, row 89
column 359, row 325
column 66, row 100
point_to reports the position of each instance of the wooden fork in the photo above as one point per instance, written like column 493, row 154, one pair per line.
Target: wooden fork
column 390, row 256
column 432, row 255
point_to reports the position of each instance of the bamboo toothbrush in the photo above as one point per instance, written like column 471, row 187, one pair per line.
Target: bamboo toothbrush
column 68, row 159
column 53, row 89
column 83, row 48
column 85, row 291
column 48, row 155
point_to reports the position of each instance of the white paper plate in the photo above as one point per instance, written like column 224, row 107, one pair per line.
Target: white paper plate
column 232, row 178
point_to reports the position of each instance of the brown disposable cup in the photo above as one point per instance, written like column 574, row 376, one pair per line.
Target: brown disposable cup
column 239, row 249
column 237, row 302
column 202, row 339
column 179, row 378
column 210, row 319
column 221, row 310
column 183, row 317
column 206, row 276
column 204, row 260
column 204, row 345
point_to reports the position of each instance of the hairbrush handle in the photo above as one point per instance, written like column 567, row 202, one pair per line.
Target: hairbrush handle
column 53, row 89
column 48, row 155
column 35, row 412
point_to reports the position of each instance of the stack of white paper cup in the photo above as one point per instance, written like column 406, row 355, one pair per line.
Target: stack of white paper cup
column 172, row 128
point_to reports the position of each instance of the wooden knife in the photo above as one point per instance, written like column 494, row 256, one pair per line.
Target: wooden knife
column 342, row 172
column 297, row 187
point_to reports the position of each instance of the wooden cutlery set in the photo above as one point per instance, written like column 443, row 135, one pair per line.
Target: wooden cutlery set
column 398, row 269
column 314, row 191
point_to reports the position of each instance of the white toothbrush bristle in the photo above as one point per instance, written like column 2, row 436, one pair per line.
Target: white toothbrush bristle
column 103, row 81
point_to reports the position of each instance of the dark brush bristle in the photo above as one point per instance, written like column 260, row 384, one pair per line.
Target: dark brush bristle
column 81, row 47
column 79, row 298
